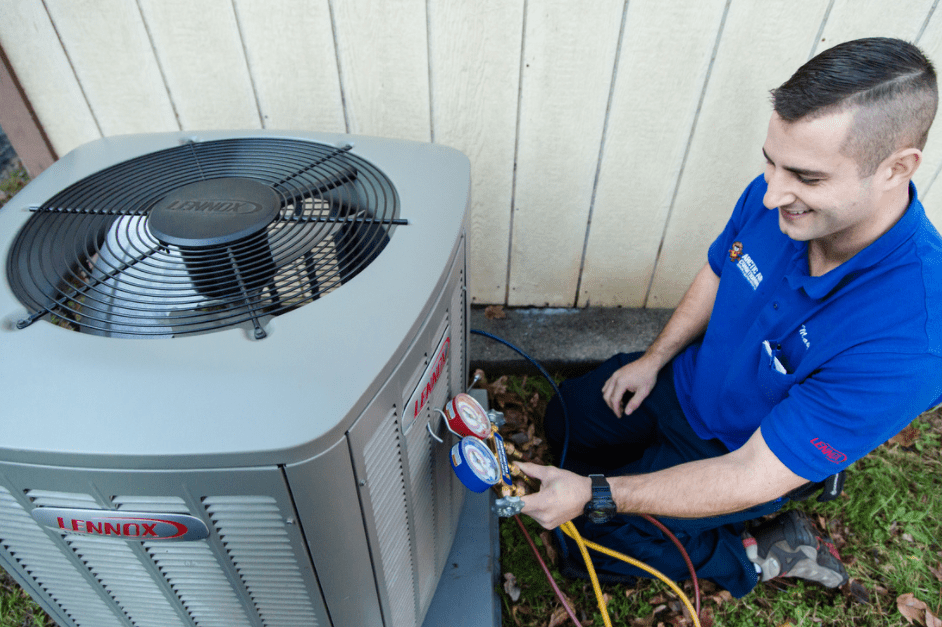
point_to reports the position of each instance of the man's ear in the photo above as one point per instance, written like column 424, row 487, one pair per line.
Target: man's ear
column 899, row 167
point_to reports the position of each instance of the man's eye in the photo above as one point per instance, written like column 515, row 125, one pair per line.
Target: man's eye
column 807, row 181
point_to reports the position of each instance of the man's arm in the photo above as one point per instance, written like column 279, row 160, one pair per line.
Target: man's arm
column 687, row 323
column 733, row 482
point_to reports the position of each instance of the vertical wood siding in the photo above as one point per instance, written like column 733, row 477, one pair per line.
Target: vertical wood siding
column 608, row 143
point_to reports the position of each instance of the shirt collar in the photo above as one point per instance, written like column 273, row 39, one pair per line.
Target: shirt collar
column 820, row 287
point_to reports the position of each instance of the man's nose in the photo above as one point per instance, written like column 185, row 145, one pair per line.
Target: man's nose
column 779, row 192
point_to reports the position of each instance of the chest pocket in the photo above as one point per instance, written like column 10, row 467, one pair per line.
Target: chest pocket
column 775, row 373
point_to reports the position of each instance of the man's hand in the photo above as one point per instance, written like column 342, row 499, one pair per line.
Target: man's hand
column 638, row 377
column 561, row 498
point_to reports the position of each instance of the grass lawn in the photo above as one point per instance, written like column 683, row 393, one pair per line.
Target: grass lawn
column 887, row 526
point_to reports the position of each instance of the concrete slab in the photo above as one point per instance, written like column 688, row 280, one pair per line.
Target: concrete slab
column 564, row 341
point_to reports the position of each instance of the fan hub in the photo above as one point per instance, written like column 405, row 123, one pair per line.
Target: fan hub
column 213, row 213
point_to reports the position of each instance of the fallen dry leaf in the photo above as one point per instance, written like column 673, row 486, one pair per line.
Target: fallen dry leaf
column 937, row 572
column 511, row 587
column 549, row 547
column 856, row 591
column 494, row 312
column 706, row 617
column 497, row 387
column 518, row 609
column 913, row 609
column 907, row 437
column 559, row 617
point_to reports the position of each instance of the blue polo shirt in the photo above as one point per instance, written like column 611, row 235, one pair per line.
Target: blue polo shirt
column 830, row 367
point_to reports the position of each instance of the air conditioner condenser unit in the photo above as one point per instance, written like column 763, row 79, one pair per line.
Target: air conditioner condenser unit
column 222, row 360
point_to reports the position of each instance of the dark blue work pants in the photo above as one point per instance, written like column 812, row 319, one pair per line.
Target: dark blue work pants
column 655, row 436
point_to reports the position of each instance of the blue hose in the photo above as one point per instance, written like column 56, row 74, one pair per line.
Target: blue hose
column 543, row 371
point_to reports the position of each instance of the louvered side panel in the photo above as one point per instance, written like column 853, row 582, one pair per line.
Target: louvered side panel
column 447, row 480
column 118, row 567
column 42, row 560
column 46, row 498
column 195, row 576
column 419, row 446
column 192, row 569
column 253, row 531
column 457, row 318
column 387, row 493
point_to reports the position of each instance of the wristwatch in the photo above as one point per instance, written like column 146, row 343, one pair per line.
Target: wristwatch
column 601, row 507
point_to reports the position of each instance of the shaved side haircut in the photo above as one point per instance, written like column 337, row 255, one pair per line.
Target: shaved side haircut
column 889, row 83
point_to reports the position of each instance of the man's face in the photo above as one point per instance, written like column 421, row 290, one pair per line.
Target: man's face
column 817, row 190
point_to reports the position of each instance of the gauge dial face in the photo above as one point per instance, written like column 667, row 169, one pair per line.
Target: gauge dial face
column 481, row 460
column 475, row 464
column 464, row 411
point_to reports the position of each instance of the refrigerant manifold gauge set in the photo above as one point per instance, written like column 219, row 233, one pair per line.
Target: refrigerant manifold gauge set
column 480, row 457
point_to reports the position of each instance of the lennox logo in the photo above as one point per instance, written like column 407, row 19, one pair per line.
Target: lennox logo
column 122, row 525
column 829, row 451
column 436, row 371
column 214, row 206
column 422, row 393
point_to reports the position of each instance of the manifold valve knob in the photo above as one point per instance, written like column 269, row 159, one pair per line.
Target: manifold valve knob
column 496, row 417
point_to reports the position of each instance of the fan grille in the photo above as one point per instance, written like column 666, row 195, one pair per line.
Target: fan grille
column 90, row 259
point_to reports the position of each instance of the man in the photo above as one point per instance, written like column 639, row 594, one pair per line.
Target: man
column 812, row 335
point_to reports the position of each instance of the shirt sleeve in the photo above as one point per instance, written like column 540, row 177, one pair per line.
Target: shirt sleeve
column 852, row 405
column 719, row 249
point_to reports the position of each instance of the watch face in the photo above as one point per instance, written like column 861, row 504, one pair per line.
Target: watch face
column 600, row 511
column 601, row 507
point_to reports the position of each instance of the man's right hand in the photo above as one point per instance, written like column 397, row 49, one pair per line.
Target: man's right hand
column 687, row 322
column 638, row 377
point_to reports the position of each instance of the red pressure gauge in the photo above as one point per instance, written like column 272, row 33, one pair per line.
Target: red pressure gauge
column 466, row 417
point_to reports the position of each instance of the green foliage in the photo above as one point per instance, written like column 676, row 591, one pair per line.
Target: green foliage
column 16, row 181
column 17, row 609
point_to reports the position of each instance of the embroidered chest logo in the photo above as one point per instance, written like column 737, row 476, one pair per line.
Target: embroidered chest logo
column 745, row 264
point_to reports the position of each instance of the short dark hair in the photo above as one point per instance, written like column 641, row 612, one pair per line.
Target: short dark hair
column 890, row 83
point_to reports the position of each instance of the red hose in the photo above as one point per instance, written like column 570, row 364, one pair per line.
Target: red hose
column 650, row 519
column 549, row 575
column 683, row 553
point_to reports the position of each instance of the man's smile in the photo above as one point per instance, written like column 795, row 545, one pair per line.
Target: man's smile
column 794, row 212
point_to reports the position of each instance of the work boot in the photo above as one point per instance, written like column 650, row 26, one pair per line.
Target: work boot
column 789, row 546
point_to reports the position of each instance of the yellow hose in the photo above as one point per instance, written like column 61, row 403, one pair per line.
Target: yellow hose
column 570, row 530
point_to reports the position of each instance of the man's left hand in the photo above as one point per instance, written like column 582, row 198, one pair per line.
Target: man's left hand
column 561, row 498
